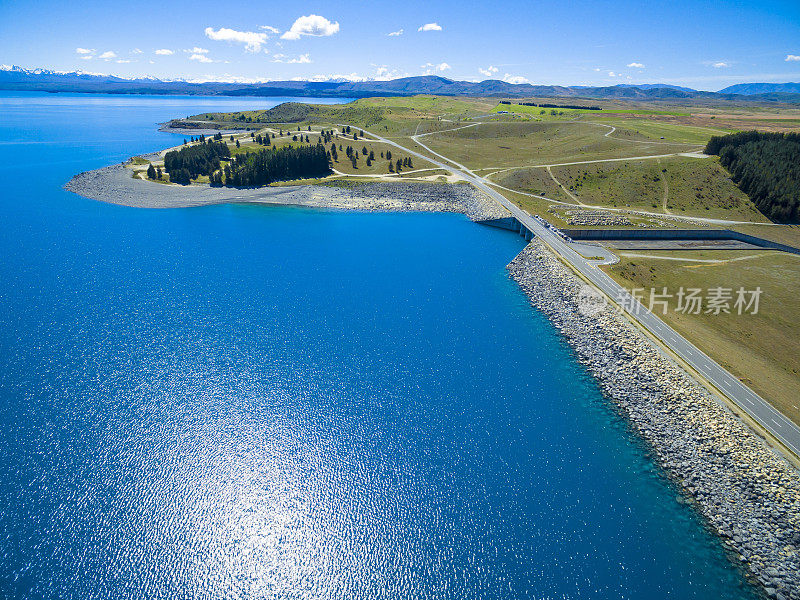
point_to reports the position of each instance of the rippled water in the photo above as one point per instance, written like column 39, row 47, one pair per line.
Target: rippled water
column 244, row 402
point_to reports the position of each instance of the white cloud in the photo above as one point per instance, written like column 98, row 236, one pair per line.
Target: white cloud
column 720, row 65
column 430, row 27
column 196, row 50
column 395, row 33
column 108, row 55
column 597, row 69
column 269, row 28
column 313, row 25
column 612, row 74
column 384, row 73
column 89, row 51
column 515, row 79
column 123, row 61
column 303, row 59
column 488, row 71
column 635, row 65
column 164, row 52
column 252, row 41
column 200, row 58
column 792, row 57
column 431, row 68
column 136, row 51
column 87, row 57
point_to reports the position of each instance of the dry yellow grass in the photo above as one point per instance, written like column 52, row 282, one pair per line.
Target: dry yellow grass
column 763, row 350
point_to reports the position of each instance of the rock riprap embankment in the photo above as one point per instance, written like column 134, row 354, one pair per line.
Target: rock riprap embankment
column 116, row 185
column 748, row 494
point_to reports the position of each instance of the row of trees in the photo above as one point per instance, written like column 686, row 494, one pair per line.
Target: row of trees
column 544, row 105
column 766, row 166
column 190, row 161
column 400, row 165
column 256, row 169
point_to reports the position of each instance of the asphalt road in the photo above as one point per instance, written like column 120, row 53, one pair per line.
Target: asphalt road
column 741, row 395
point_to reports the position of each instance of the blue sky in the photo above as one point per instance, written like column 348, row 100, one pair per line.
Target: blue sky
column 701, row 44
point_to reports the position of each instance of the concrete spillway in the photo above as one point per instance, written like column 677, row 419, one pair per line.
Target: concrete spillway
column 652, row 235
column 511, row 224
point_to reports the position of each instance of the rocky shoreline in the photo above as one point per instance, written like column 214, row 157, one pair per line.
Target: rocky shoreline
column 116, row 185
column 748, row 495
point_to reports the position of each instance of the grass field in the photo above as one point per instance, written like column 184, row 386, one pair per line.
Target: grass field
column 763, row 350
column 520, row 144
column 534, row 181
column 545, row 113
column 675, row 185
column 656, row 130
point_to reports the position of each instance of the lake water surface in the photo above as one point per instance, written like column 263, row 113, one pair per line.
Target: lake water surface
column 267, row 402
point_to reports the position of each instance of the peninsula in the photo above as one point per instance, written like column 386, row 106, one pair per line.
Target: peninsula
column 614, row 196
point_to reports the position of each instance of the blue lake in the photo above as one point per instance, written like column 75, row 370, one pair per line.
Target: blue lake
column 248, row 402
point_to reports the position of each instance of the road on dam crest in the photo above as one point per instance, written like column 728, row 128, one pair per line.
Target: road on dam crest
column 742, row 396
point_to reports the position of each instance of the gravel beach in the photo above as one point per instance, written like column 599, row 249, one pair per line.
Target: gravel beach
column 115, row 185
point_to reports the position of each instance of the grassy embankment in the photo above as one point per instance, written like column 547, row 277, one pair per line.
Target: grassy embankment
column 672, row 186
column 763, row 350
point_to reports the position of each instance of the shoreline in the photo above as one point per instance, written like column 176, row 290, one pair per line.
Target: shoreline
column 169, row 128
column 115, row 185
column 747, row 494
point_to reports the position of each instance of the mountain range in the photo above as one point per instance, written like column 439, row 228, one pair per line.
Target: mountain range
column 19, row 79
